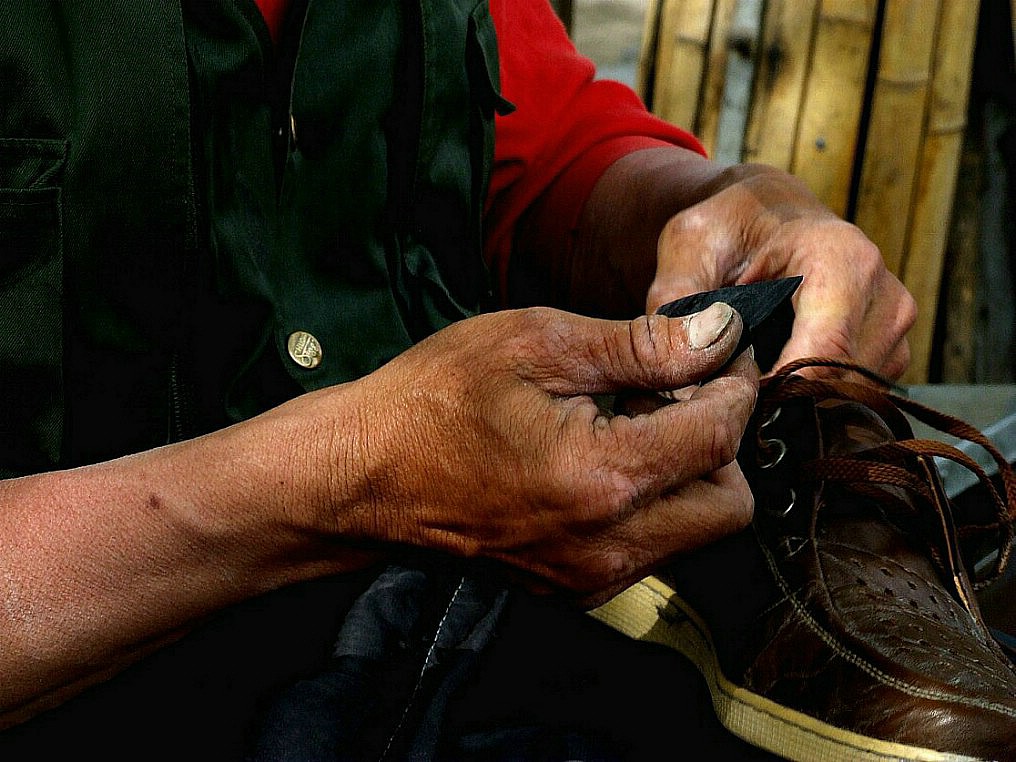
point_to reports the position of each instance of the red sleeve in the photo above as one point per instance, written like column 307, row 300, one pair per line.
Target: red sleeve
column 566, row 130
column 273, row 11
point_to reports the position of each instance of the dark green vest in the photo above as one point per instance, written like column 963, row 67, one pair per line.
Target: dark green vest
column 195, row 226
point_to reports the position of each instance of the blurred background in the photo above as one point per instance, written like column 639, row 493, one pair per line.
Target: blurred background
column 899, row 114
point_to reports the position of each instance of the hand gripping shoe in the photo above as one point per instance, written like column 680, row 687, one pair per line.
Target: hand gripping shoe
column 843, row 624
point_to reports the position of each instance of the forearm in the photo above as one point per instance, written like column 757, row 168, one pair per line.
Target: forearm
column 106, row 562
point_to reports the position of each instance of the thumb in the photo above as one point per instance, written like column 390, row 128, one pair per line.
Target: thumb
column 652, row 352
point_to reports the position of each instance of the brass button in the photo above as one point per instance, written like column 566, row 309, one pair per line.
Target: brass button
column 304, row 349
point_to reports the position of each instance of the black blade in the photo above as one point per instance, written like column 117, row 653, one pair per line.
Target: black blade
column 765, row 308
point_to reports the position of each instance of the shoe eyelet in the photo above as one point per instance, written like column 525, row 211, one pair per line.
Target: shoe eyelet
column 767, row 446
column 771, row 419
column 783, row 512
column 769, row 454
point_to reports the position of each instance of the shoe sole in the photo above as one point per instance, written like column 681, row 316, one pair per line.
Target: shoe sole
column 652, row 611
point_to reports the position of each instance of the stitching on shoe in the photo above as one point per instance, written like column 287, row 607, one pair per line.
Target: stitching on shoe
column 786, row 384
column 866, row 666
column 732, row 692
column 878, row 471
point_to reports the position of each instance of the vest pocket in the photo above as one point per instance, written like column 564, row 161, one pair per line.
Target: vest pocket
column 31, row 306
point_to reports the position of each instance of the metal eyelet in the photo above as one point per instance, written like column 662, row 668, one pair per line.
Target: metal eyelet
column 770, row 453
column 785, row 511
column 769, row 446
column 771, row 419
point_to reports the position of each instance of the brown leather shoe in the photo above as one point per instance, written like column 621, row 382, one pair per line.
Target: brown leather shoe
column 842, row 625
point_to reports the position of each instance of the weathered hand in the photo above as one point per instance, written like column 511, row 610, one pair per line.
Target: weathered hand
column 766, row 224
column 483, row 441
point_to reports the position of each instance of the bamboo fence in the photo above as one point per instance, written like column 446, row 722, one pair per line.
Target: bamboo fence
column 865, row 100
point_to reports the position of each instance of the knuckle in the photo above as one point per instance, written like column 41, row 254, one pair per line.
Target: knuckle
column 868, row 256
column 866, row 261
column 725, row 439
column 534, row 339
column 604, row 570
column 720, row 432
column 908, row 311
column 591, row 489
column 898, row 363
column 649, row 339
column 705, row 449
column 612, row 497
column 527, row 324
column 687, row 222
column 738, row 505
column 742, row 510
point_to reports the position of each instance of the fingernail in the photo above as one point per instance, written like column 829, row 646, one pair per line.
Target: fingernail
column 705, row 327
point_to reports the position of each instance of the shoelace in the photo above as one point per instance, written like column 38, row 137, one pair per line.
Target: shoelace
column 891, row 464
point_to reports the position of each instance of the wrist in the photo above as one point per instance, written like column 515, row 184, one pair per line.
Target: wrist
column 271, row 493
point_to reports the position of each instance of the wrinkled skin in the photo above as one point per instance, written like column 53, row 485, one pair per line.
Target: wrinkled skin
column 735, row 225
column 513, row 460
column 848, row 306
column 483, row 441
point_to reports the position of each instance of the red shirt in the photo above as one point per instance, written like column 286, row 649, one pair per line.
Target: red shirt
column 567, row 128
column 273, row 11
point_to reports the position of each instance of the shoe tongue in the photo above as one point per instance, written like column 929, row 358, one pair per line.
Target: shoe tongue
column 850, row 427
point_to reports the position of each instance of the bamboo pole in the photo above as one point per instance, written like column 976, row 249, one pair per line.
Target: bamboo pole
column 834, row 99
column 924, row 251
column 961, row 270
column 681, row 61
column 788, row 31
column 745, row 38
column 646, row 67
column 707, row 125
column 566, row 12
column 896, row 127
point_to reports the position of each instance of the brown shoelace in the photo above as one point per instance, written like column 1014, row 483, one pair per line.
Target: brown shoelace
column 891, row 465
